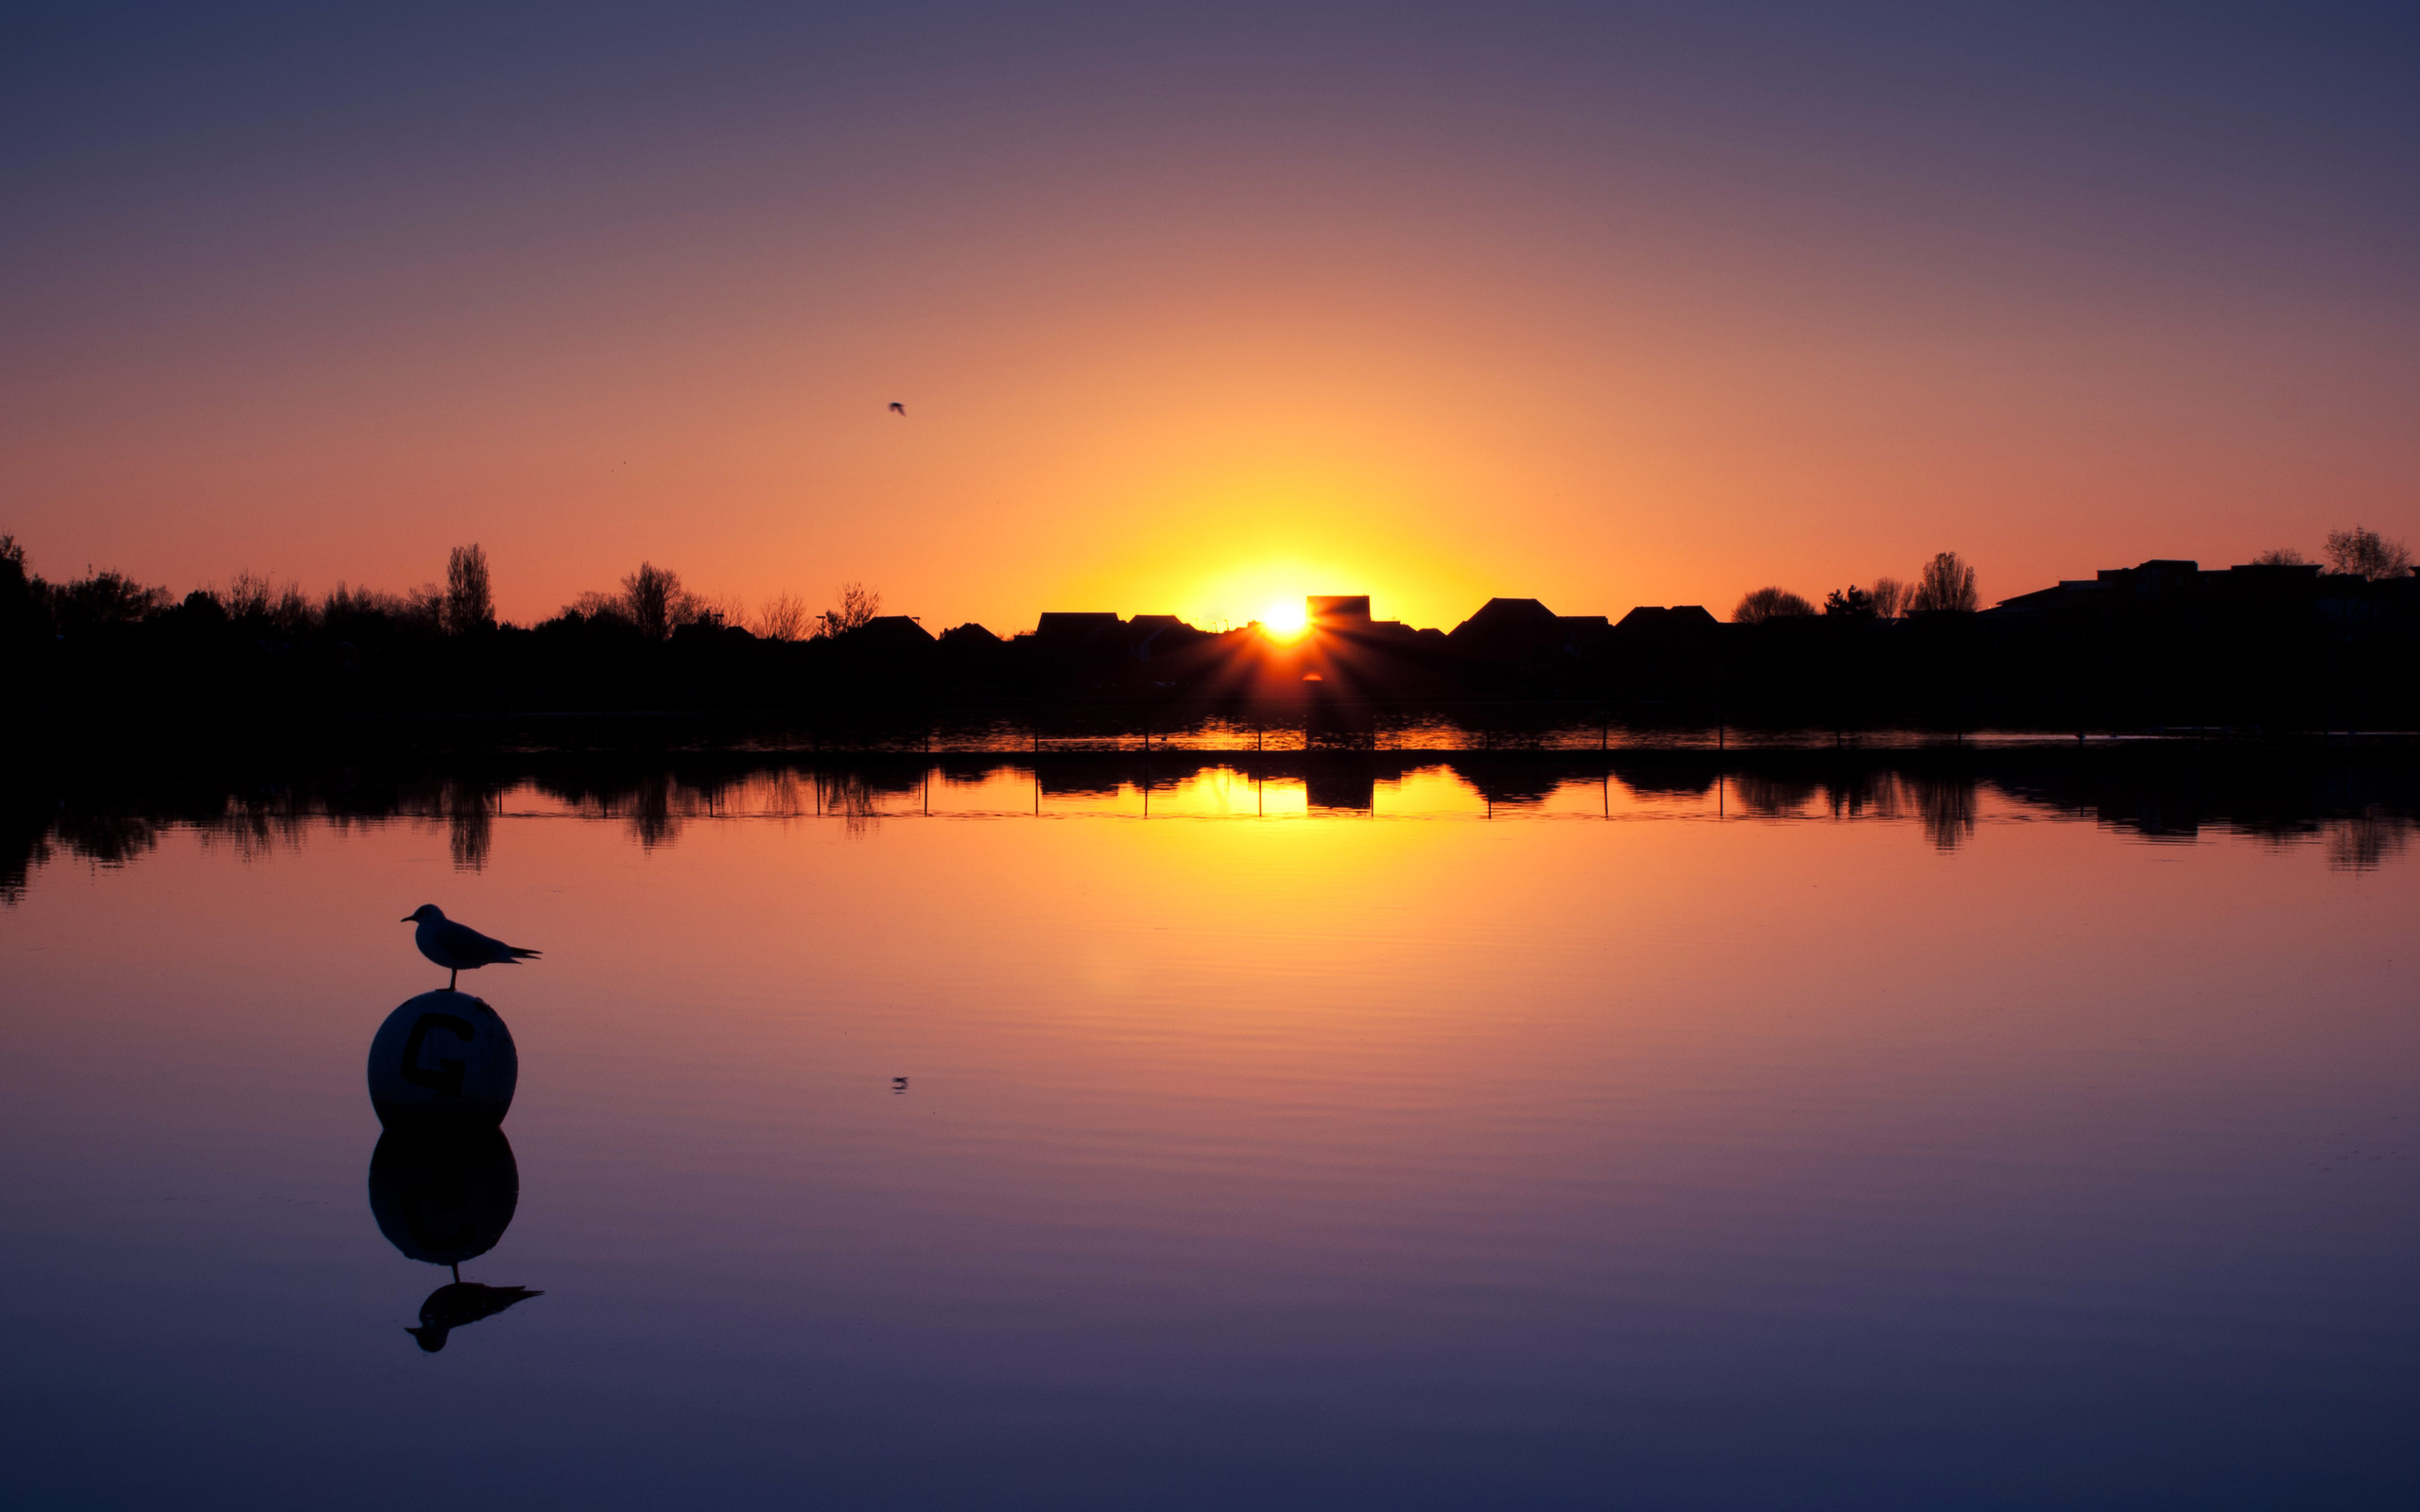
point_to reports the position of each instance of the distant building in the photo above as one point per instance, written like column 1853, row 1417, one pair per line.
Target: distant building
column 2166, row 623
column 2179, row 593
column 1148, row 633
column 1524, row 631
column 890, row 632
column 1062, row 629
column 1339, row 611
column 1499, row 615
column 1681, row 619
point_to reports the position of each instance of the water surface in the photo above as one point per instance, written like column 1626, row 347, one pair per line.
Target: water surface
column 1585, row 1140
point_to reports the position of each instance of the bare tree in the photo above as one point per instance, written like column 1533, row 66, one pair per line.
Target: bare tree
column 593, row 605
column 20, row 610
column 1946, row 584
column 291, row 613
column 352, row 606
column 2363, row 552
column 1771, row 603
column 99, row 599
column 262, row 604
column 785, row 617
column 468, row 606
column 2281, row 556
column 1890, row 599
column 424, row 607
column 858, row 606
column 246, row 596
column 653, row 599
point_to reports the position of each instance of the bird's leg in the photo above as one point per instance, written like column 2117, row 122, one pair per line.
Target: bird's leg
column 452, row 977
column 457, row 1268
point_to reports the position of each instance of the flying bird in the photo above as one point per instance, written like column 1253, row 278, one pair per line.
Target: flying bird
column 458, row 948
column 898, row 408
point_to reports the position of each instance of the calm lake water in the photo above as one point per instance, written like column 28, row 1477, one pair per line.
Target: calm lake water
column 1731, row 1141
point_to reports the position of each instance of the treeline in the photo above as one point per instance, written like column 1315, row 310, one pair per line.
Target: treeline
column 653, row 602
column 1946, row 586
column 2334, row 647
column 106, row 637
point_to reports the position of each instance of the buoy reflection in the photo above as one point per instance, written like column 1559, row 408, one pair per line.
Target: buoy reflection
column 443, row 1199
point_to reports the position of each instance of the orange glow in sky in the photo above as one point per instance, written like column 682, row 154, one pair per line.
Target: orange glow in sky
column 1562, row 308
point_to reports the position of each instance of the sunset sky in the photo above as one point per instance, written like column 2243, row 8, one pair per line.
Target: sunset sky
column 1196, row 310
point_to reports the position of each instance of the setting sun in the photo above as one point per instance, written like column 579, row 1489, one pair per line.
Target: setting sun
column 1284, row 620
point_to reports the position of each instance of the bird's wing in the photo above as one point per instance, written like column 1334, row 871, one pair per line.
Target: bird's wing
column 462, row 941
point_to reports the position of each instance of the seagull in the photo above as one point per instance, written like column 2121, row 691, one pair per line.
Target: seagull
column 458, row 1302
column 458, row 948
column 899, row 409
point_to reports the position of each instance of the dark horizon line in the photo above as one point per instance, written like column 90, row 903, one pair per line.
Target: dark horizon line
column 1841, row 602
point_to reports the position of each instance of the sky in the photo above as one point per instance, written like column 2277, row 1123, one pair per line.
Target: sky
column 1201, row 309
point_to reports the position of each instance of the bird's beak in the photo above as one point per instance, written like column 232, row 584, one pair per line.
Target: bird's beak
column 405, row 919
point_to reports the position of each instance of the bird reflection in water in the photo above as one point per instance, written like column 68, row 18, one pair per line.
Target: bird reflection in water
column 446, row 1198
column 458, row 1302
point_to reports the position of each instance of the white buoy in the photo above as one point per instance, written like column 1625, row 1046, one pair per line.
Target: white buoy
column 442, row 1060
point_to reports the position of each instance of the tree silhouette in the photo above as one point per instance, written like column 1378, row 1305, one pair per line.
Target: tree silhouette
column 785, row 617
column 857, row 608
column 653, row 599
column 1946, row 584
column 21, row 616
column 246, row 596
column 2281, row 556
column 1890, row 599
column 2363, row 552
column 1771, row 603
column 1850, row 603
column 469, row 605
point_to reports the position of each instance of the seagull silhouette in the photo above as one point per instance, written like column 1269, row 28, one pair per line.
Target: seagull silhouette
column 898, row 408
column 458, row 948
